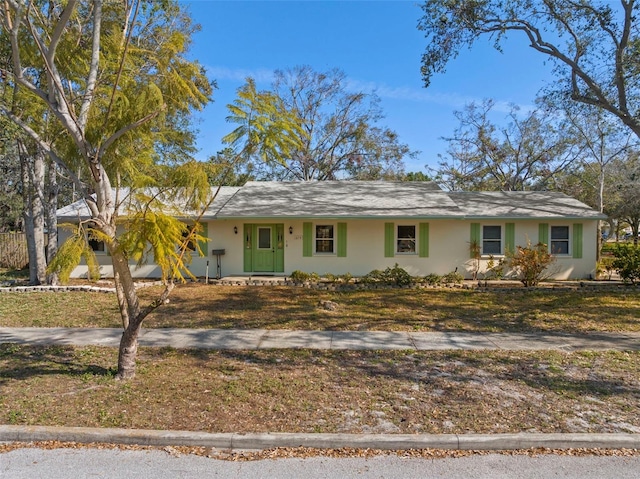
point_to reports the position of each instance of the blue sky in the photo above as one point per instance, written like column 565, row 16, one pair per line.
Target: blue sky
column 377, row 45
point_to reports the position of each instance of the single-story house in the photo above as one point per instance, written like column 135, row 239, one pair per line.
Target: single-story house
column 339, row 227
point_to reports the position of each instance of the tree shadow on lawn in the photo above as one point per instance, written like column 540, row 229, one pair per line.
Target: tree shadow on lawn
column 23, row 362
column 554, row 372
column 241, row 308
column 285, row 307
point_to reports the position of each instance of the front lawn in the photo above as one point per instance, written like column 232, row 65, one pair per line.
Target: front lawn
column 324, row 391
column 281, row 307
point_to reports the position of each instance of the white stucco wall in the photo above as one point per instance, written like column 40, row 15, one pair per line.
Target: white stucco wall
column 448, row 250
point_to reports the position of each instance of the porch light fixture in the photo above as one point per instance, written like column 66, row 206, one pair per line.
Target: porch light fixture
column 290, row 230
column 235, row 230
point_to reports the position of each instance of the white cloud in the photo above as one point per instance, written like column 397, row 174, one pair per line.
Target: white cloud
column 420, row 95
column 260, row 75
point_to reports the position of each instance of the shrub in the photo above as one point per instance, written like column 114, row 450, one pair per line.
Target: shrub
column 330, row 278
column 337, row 278
column 396, row 276
column 627, row 262
column 373, row 276
column 495, row 269
column 345, row 278
column 476, row 255
column 298, row 276
column 605, row 266
column 452, row 277
column 530, row 263
column 432, row 279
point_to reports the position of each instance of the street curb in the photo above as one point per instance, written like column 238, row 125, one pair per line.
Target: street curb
column 488, row 442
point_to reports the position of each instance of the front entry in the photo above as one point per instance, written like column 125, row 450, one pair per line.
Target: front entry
column 264, row 248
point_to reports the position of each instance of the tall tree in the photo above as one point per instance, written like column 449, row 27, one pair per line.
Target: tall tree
column 625, row 203
column 114, row 81
column 524, row 155
column 229, row 169
column 604, row 145
column 10, row 188
column 309, row 126
column 594, row 45
column 37, row 181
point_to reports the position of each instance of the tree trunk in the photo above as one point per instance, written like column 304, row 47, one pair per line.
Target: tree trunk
column 32, row 170
column 128, row 352
column 132, row 314
column 51, row 219
column 37, row 204
column 129, row 305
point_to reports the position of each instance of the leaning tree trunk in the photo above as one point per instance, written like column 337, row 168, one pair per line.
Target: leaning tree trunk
column 130, row 311
column 132, row 314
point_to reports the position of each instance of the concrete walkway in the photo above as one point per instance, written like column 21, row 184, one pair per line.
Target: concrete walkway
column 333, row 340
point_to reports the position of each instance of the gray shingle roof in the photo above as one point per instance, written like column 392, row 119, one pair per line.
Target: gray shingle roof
column 377, row 199
column 521, row 204
column 79, row 209
column 373, row 199
column 341, row 199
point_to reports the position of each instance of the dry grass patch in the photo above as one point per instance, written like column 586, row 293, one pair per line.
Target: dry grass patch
column 280, row 307
column 324, row 391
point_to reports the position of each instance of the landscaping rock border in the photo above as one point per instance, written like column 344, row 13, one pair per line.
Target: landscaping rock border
column 478, row 286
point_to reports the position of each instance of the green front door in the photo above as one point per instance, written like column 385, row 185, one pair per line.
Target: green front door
column 264, row 257
column 264, row 248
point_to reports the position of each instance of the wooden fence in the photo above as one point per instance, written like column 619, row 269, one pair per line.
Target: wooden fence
column 13, row 250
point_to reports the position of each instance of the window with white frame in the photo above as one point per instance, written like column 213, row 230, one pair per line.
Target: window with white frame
column 325, row 239
column 406, row 239
column 559, row 240
column 491, row 239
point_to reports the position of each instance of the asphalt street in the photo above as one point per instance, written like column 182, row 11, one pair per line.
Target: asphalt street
column 116, row 464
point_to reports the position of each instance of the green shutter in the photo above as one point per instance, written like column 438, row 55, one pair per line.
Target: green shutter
column 543, row 233
column 307, row 239
column 342, row 240
column 204, row 244
column 509, row 237
column 577, row 240
column 474, row 237
column 389, row 237
column 423, row 249
column 248, row 250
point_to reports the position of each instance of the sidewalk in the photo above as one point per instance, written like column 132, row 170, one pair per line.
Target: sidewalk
column 334, row 340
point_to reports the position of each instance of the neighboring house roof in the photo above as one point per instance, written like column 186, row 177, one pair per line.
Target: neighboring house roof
column 375, row 199
column 79, row 209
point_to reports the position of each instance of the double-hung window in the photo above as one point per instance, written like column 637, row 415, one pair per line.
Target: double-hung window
column 406, row 239
column 325, row 239
column 491, row 240
column 560, row 240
